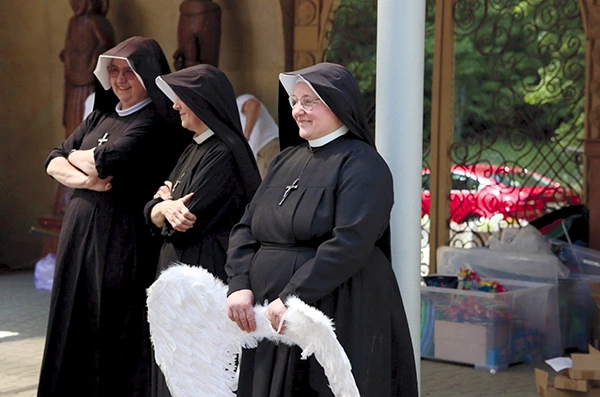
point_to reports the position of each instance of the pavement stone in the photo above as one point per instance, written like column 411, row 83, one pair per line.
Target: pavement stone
column 24, row 309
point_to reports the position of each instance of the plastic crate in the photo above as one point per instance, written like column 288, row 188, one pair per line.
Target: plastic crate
column 578, row 259
column 494, row 264
column 488, row 330
column 578, row 312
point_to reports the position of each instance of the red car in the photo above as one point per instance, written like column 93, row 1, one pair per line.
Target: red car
column 482, row 190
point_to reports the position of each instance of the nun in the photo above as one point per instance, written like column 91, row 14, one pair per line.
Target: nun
column 211, row 184
column 318, row 229
column 97, row 341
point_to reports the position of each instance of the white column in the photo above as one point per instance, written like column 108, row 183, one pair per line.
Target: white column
column 399, row 135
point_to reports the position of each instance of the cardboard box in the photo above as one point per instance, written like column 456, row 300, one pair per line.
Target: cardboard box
column 565, row 383
column 546, row 389
column 585, row 366
column 581, row 381
column 481, row 345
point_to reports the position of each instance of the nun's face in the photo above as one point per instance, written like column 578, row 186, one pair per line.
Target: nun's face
column 317, row 122
column 125, row 84
column 189, row 119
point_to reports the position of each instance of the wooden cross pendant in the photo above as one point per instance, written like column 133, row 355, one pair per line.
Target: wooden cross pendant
column 288, row 190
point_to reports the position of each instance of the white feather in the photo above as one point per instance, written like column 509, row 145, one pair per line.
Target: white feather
column 195, row 343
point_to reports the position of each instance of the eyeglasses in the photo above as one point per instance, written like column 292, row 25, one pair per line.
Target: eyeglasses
column 306, row 102
column 114, row 72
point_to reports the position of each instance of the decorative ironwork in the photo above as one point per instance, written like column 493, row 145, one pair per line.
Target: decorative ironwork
column 519, row 92
column 352, row 43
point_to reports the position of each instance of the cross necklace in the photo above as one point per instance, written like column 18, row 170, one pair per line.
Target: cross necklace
column 177, row 182
column 104, row 139
column 294, row 185
column 288, row 189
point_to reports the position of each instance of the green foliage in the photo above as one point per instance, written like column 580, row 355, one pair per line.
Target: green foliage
column 352, row 43
column 519, row 65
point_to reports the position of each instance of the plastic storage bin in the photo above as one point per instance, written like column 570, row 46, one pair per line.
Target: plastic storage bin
column 494, row 265
column 578, row 312
column 490, row 331
column 579, row 260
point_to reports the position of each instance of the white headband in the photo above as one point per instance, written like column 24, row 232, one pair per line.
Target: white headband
column 289, row 81
column 166, row 89
column 101, row 71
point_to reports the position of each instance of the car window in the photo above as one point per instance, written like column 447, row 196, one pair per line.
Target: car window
column 462, row 182
column 519, row 179
column 507, row 179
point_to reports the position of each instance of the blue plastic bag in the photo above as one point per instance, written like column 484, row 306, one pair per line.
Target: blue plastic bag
column 43, row 275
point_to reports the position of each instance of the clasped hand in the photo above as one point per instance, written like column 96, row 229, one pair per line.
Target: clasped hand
column 177, row 214
column 241, row 311
column 164, row 192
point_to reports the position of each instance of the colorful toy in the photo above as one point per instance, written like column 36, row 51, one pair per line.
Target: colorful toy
column 471, row 281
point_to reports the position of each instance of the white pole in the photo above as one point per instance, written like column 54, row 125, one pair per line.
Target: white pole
column 399, row 135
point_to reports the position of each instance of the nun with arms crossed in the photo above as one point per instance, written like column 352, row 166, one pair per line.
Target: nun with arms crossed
column 213, row 181
column 97, row 342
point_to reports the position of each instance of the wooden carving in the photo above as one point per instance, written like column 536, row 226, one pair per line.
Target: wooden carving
column 89, row 34
column 312, row 21
column 198, row 34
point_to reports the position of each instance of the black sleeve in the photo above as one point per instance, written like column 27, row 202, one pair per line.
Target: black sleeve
column 154, row 230
column 75, row 139
column 133, row 148
column 242, row 248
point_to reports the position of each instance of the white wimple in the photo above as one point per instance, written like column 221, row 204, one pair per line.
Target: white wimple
column 195, row 342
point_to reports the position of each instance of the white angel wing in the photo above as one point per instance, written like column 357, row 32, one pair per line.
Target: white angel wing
column 195, row 343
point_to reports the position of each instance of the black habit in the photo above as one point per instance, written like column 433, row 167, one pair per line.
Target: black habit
column 220, row 171
column 328, row 244
column 97, row 343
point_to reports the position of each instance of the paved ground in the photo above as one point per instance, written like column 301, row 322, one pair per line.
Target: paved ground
column 24, row 310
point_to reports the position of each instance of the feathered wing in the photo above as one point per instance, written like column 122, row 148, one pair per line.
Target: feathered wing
column 195, row 343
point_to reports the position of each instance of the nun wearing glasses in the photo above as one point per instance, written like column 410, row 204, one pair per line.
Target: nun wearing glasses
column 97, row 341
column 318, row 228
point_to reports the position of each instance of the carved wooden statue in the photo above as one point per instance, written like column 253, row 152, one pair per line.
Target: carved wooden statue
column 89, row 34
column 198, row 34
